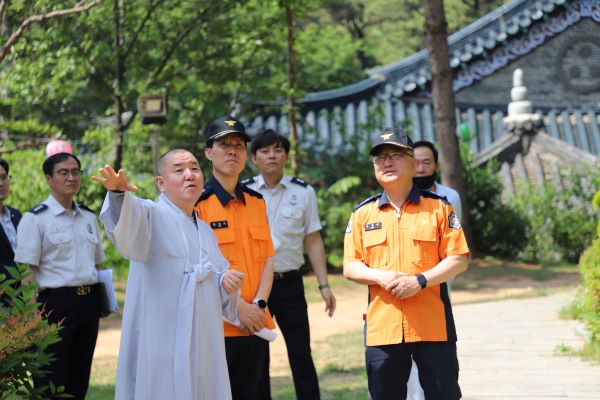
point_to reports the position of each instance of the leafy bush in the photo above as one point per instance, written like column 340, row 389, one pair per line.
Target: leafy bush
column 24, row 337
column 589, row 268
column 562, row 222
column 498, row 229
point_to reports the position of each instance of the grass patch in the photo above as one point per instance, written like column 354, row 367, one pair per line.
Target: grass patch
column 562, row 349
column 340, row 365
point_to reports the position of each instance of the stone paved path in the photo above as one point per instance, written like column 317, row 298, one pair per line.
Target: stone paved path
column 507, row 351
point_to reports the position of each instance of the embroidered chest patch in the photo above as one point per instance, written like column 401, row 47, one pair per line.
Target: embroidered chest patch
column 373, row 226
column 218, row 224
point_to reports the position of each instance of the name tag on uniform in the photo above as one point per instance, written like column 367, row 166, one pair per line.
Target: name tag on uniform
column 373, row 226
column 218, row 224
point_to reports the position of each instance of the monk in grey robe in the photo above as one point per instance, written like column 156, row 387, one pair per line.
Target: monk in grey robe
column 178, row 289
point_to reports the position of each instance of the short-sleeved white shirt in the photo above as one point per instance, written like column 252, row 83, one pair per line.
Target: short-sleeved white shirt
column 293, row 214
column 64, row 247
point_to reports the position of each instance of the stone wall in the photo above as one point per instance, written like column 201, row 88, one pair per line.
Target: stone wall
column 562, row 72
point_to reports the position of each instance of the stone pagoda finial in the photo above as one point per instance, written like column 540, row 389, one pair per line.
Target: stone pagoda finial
column 521, row 120
column 518, row 95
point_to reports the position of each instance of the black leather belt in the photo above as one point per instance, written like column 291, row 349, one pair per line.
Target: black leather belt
column 82, row 290
column 288, row 274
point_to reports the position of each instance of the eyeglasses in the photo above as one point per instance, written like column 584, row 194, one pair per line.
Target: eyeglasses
column 64, row 173
column 380, row 159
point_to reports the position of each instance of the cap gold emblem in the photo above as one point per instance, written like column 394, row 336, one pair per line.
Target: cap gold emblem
column 230, row 122
column 386, row 136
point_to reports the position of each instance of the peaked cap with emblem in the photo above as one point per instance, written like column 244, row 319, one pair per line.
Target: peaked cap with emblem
column 394, row 137
column 221, row 127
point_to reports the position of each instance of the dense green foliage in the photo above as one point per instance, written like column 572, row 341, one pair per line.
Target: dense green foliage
column 589, row 306
column 24, row 336
column 561, row 222
column 498, row 229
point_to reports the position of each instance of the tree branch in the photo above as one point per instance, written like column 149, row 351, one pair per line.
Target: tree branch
column 3, row 6
column 136, row 35
column 25, row 25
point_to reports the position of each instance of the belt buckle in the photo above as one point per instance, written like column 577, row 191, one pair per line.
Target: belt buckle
column 277, row 275
column 83, row 290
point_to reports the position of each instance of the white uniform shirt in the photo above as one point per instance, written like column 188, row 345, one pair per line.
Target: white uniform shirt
column 293, row 214
column 451, row 195
column 65, row 248
column 9, row 228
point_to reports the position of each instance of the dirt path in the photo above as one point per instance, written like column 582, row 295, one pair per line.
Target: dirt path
column 351, row 304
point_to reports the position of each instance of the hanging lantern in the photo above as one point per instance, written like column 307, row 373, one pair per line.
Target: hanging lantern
column 58, row 146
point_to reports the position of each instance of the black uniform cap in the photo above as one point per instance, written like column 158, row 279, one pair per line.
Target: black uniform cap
column 221, row 127
column 394, row 137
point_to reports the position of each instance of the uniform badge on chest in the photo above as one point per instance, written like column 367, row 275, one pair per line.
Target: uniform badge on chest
column 89, row 229
column 373, row 226
column 293, row 200
column 218, row 224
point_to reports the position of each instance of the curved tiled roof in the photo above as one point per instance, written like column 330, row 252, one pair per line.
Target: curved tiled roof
column 475, row 40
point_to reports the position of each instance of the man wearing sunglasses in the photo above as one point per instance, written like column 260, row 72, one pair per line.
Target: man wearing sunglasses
column 59, row 240
column 405, row 244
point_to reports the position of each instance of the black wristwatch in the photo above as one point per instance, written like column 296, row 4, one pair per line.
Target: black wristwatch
column 260, row 303
column 422, row 281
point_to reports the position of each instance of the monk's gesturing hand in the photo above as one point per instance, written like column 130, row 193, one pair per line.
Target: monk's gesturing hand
column 232, row 280
column 114, row 181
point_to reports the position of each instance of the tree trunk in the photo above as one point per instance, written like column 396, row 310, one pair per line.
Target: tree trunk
column 119, row 10
column 436, row 29
column 295, row 147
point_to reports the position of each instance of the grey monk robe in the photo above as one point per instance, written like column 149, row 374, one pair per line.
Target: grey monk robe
column 172, row 344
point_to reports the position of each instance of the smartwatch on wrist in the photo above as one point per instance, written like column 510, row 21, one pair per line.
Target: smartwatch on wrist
column 422, row 281
column 260, row 303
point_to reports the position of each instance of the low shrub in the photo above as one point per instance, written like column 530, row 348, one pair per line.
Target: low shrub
column 24, row 337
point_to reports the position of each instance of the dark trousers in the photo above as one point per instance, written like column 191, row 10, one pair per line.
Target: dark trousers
column 246, row 357
column 288, row 306
column 388, row 369
column 79, row 330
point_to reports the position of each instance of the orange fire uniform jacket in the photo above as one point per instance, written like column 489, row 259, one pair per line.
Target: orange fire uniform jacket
column 414, row 240
column 242, row 230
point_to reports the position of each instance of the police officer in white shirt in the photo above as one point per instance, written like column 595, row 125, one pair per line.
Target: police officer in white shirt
column 59, row 240
column 294, row 222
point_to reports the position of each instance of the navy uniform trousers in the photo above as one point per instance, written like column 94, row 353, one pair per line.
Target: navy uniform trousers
column 79, row 330
column 287, row 305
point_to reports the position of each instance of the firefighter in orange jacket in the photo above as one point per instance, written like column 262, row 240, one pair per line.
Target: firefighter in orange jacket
column 238, row 218
column 405, row 244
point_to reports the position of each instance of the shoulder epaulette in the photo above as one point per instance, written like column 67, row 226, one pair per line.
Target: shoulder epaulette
column 299, row 181
column 433, row 195
column 38, row 209
column 247, row 181
column 86, row 208
column 251, row 192
column 367, row 201
column 205, row 194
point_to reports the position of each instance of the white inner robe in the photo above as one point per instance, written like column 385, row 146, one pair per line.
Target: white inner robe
column 172, row 344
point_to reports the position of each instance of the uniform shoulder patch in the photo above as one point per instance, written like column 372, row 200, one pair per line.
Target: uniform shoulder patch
column 369, row 200
column 251, row 192
column 205, row 194
column 453, row 221
column 433, row 195
column 248, row 181
column 38, row 209
column 299, row 181
column 86, row 208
